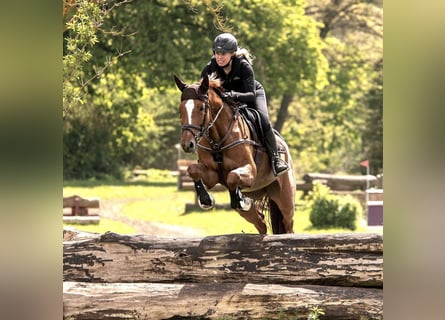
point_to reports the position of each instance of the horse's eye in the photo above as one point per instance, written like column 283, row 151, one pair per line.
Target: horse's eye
column 201, row 108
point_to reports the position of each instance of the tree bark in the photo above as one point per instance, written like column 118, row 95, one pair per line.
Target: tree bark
column 216, row 301
column 283, row 112
column 337, row 260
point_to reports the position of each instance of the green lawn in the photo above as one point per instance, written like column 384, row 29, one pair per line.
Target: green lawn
column 156, row 199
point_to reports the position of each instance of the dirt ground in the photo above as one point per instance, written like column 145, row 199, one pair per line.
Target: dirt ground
column 112, row 209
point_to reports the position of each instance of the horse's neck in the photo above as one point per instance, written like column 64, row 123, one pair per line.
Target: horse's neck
column 226, row 125
column 223, row 118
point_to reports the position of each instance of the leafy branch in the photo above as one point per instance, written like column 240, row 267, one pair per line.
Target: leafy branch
column 83, row 20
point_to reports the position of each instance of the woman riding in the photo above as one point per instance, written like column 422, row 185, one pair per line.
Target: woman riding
column 233, row 66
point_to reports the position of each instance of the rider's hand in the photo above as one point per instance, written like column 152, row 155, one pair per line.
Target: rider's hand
column 230, row 95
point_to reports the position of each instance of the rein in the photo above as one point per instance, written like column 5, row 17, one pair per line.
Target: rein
column 219, row 146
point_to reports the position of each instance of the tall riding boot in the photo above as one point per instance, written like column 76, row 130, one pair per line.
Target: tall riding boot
column 278, row 165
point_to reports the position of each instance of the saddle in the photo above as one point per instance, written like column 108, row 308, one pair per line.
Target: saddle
column 253, row 121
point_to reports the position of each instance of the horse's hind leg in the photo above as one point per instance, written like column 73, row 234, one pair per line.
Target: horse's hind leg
column 255, row 217
column 282, row 205
column 281, row 220
column 282, row 214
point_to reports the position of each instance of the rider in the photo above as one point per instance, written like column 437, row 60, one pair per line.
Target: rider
column 233, row 66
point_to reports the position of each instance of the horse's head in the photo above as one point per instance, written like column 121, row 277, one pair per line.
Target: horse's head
column 193, row 112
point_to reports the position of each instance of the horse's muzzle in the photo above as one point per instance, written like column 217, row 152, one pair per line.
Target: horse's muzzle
column 189, row 146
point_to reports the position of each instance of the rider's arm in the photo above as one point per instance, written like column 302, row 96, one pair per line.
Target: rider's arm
column 247, row 92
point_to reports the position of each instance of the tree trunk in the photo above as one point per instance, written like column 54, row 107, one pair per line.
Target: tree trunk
column 216, row 300
column 341, row 182
column 337, row 260
column 283, row 112
column 238, row 276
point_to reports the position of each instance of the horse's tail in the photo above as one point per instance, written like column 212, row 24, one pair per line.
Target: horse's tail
column 276, row 218
column 269, row 210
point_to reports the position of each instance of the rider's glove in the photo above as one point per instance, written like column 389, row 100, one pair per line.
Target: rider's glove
column 230, row 95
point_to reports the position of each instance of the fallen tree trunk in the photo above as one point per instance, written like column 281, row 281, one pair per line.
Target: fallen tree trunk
column 341, row 182
column 216, row 301
column 336, row 260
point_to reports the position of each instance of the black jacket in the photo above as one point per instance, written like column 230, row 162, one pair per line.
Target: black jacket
column 240, row 79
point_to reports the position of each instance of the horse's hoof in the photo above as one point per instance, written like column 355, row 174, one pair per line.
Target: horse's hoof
column 205, row 206
column 245, row 204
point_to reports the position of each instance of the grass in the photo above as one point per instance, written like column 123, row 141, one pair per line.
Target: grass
column 156, row 199
column 212, row 222
column 107, row 225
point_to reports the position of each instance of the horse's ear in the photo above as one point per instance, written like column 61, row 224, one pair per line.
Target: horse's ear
column 204, row 86
column 180, row 84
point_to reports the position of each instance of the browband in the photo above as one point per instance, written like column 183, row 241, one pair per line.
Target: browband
column 192, row 92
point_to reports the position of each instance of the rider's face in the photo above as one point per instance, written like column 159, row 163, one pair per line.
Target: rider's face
column 223, row 58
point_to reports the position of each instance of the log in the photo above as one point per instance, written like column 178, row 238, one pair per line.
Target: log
column 90, row 219
column 76, row 206
column 341, row 182
column 217, row 301
column 77, row 201
column 352, row 259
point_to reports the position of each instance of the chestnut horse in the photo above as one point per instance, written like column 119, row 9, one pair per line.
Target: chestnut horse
column 227, row 154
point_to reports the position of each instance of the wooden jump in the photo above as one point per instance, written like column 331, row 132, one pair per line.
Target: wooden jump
column 240, row 276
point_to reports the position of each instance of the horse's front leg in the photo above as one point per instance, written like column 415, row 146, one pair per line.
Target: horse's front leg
column 203, row 177
column 236, row 180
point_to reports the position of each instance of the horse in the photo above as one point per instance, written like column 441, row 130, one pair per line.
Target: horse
column 229, row 154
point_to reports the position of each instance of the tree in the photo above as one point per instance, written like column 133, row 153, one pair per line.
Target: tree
column 340, row 17
column 328, row 134
column 359, row 24
column 82, row 22
column 373, row 133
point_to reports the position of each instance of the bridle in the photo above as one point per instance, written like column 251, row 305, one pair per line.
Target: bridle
column 201, row 128
column 191, row 92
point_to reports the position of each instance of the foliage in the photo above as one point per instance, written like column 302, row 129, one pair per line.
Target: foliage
column 315, row 313
column 83, row 20
column 373, row 133
column 167, row 37
column 334, row 117
column 341, row 16
column 293, row 36
column 161, row 151
column 355, row 83
column 110, row 130
column 331, row 211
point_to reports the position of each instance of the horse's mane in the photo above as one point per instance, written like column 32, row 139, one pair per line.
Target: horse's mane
column 215, row 82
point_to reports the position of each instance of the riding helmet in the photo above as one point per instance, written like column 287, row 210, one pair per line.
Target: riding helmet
column 225, row 42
